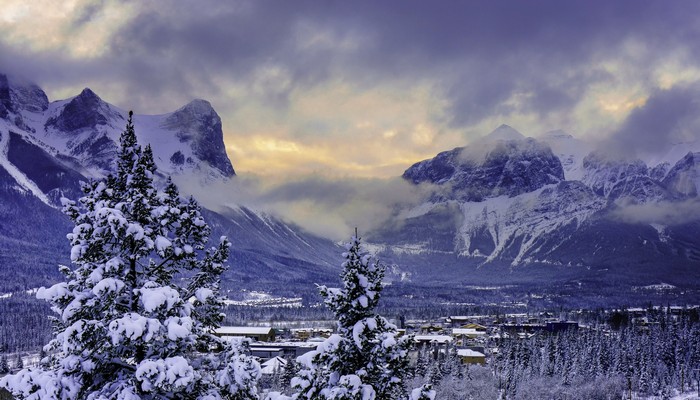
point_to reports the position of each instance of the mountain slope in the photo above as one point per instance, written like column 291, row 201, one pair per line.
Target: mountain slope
column 494, row 168
column 47, row 149
column 505, row 203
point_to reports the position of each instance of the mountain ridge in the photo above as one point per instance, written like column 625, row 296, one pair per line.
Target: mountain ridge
column 544, row 203
column 47, row 151
column 531, row 224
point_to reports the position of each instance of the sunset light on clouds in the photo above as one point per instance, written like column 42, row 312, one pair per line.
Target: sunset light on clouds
column 362, row 89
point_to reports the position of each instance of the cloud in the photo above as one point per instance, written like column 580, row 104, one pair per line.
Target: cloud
column 318, row 76
column 667, row 117
column 667, row 213
column 326, row 206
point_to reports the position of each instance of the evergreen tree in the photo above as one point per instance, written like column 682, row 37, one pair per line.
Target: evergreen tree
column 4, row 366
column 435, row 374
column 364, row 359
column 422, row 362
column 290, row 371
column 137, row 312
column 19, row 363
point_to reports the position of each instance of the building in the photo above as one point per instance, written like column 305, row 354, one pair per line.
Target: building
column 307, row 333
column 468, row 356
column 266, row 352
column 561, row 326
column 552, row 327
column 285, row 349
column 423, row 340
column 258, row 334
column 476, row 327
column 463, row 335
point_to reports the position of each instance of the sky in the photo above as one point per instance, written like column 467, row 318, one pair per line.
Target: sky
column 333, row 100
column 366, row 88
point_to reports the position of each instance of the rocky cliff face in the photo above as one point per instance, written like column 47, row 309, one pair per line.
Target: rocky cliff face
column 500, row 168
column 17, row 98
column 198, row 124
column 602, row 173
column 684, row 177
column 84, row 111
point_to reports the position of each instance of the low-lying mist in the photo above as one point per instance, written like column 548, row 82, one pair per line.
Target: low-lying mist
column 329, row 207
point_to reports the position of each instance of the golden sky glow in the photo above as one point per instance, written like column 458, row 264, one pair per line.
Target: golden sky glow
column 340, row 91
column 59, row 25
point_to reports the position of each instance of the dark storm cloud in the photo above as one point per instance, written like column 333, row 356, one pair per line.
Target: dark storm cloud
column 482, row 52
column 48, row 67
column 87, row 14
column 668, row 116
column 479, row 53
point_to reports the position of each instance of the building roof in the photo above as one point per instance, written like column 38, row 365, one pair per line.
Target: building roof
column 274, row 364
column 466, row 331
column 244, row 330
column 264, row 348
column 285, row 345
column 311, row 330
column 469, row 353
column 433, row 338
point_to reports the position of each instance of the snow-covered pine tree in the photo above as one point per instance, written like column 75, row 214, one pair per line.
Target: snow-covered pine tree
column 137, row 312
column 290, row 371
column 364, row 359
column 4, row 366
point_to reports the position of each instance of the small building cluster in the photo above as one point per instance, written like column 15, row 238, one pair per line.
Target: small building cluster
column 474, row 338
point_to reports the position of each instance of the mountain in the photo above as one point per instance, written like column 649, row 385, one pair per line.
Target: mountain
column 48, row 148
column 491, row 168
column 86, row 129
column 507, row 209
column 506, row 206
column 569, row 150
column 684, row 177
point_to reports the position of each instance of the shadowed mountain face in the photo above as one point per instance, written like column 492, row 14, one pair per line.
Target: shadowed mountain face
column 684, row 177
column 504, row 167
column 84, row 111
column 48, row 149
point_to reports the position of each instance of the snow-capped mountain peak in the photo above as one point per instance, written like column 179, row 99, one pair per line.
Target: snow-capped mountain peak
column 489, row 169
column 503, row 132
column 84, row 112
column 84, row 131
column 570, row 150
column 506, row 201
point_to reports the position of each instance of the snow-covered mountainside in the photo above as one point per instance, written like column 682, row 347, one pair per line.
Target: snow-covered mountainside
column 48, row 148
column 86, row 129
column 491, row 168
column 505, row 200
column 684, row 177
column 569, row 150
